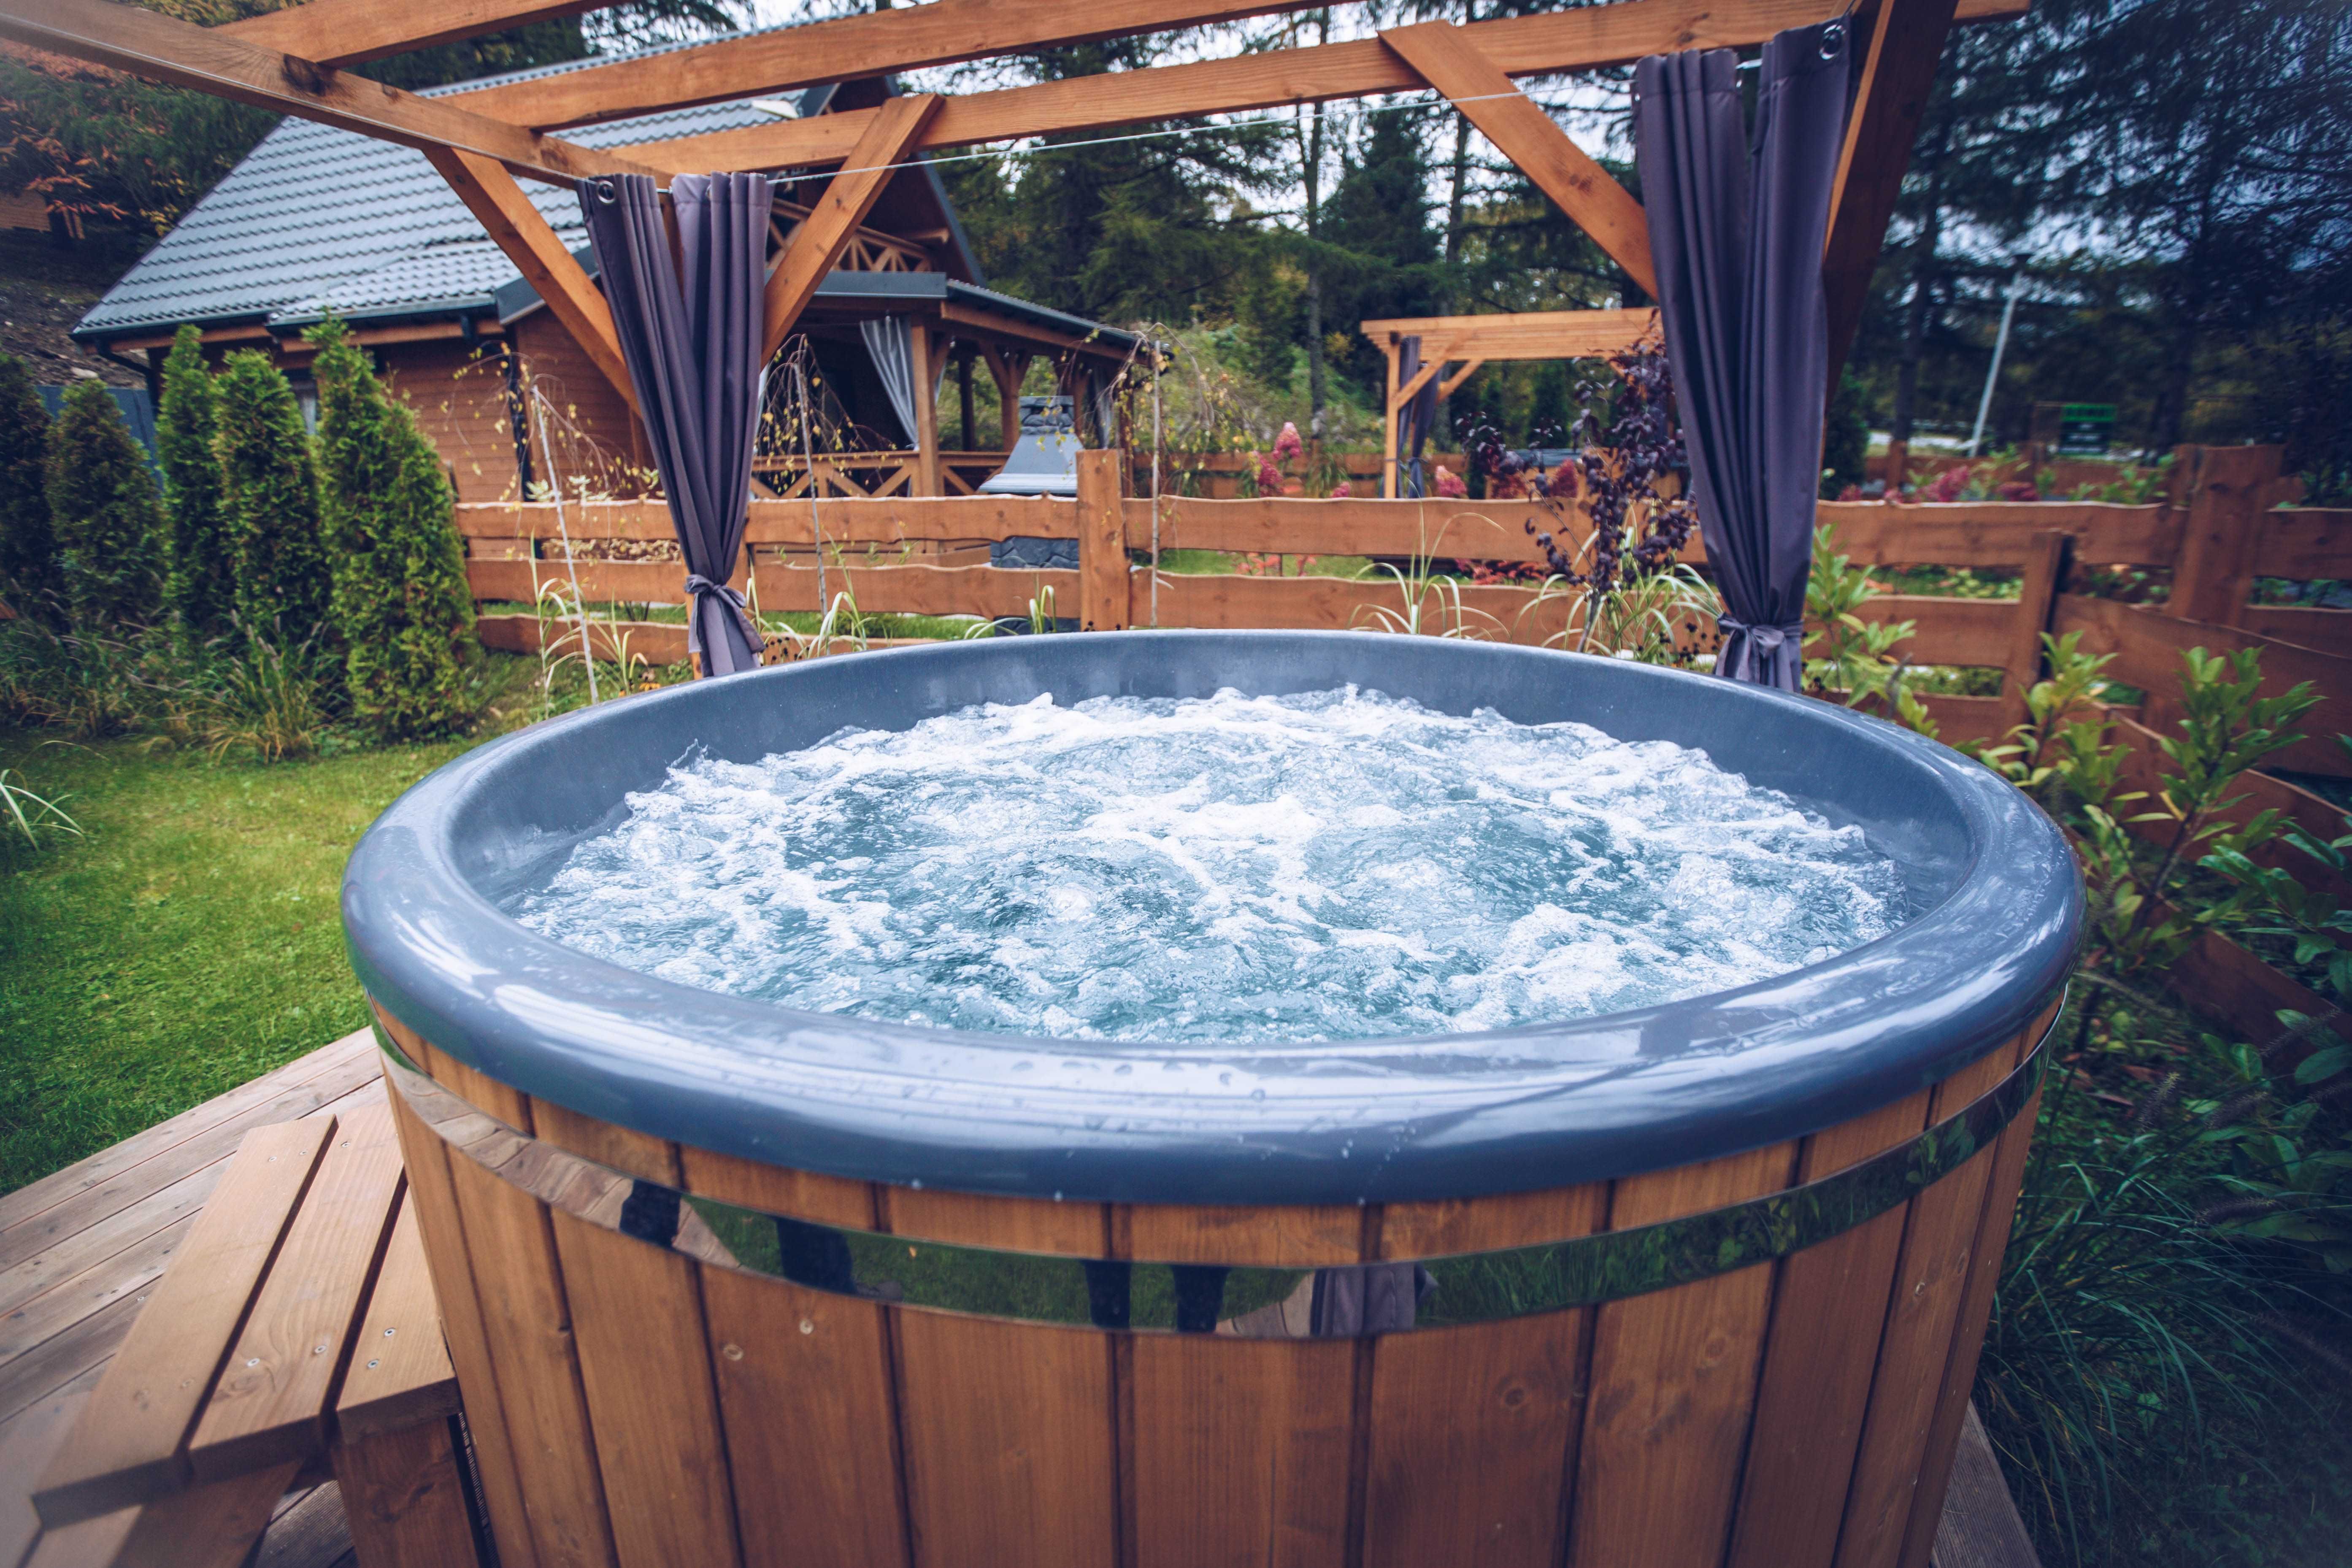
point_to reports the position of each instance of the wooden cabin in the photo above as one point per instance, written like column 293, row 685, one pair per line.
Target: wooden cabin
column 318, row 220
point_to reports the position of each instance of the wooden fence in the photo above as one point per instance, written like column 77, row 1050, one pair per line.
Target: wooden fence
column 901, row 555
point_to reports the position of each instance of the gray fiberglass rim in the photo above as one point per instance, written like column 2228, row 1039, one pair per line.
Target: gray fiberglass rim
column 1382, row 1119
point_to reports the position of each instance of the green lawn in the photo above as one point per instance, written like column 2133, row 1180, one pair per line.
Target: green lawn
column 186, row 944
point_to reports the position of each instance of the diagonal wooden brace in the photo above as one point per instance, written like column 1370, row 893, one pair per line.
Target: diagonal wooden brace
column 491, row 195
column 1453, row 65
column 817, row 244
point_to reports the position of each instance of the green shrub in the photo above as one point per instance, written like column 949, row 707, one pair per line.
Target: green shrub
column 106, row 515
column 402, row 601
column 28, row 550
column 199, row 592
column 269, row 504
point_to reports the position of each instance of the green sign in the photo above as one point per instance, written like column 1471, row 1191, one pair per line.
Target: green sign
column 2085, row 429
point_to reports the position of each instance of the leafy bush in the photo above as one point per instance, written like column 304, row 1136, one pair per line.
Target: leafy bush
column 402, row 601
column 199, row 592
column 28, row 549
column 2173, row 1284
column 269, row 502
column 107, row 518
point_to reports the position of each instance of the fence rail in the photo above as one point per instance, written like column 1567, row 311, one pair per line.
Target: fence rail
column 922, row 556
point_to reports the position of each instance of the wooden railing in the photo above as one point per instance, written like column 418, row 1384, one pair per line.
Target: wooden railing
column 900, row 555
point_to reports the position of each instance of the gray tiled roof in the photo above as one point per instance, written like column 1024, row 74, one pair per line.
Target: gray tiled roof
column 316, row 217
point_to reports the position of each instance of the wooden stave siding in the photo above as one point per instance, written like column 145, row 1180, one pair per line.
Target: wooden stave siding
column 1139, row 1452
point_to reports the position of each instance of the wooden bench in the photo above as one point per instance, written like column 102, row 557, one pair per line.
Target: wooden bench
column 296, row 1337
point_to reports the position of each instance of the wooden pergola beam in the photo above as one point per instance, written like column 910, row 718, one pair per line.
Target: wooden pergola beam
column 946, row 32
column 499, row 204
column 1450, row 61
column 1581, row 39
column 1906, row 37
column 1521, row 336
column 160, row 48
column 890, row 137
column 349, row 32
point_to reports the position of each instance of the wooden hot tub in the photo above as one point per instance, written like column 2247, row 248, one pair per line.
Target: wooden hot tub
column 1699, row 1284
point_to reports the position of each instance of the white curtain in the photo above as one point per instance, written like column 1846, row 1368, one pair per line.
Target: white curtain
column 891, row 341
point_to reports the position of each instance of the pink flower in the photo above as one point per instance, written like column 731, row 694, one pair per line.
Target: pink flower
column 1341, row 491
column 1269, row 477
column 1449, row 484
column 1286, row 445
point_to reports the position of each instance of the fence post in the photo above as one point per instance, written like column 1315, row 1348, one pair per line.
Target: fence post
column 2225, row 487
column 1102, row 544
column 2037, row 598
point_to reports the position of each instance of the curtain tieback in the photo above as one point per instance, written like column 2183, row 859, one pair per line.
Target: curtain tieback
column 696, row 583
column 1763, row 638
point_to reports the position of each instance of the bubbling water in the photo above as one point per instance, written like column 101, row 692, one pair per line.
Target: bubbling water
column 1326, row 866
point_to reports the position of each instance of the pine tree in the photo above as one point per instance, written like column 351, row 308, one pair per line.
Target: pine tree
column 282, row 587
column 402, row 601
column 197, row 593
column 28, row 549
column 107, row 516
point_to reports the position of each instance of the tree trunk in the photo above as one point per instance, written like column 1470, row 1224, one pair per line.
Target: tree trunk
column 1917, row 318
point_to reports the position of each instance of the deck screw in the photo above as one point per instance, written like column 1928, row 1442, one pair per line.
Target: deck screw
column 388, row 1333
column 318, row 1350
column 372, row 1365
column 255, row 1361
column 733, row 1352
column 807, row 1327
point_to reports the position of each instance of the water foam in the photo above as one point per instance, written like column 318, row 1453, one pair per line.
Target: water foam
column 1327, row 866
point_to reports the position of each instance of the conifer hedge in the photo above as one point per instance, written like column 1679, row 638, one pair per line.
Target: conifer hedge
column 107, row 518
column 282, row 585
column 199, row 591
column 28, row 549
column 401, row 596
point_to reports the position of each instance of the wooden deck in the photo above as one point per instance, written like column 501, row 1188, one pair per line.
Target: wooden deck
column 80, row 1249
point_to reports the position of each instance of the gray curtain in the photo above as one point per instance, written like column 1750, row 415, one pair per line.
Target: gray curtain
column 690, row 334
column 890, row 343
column 1738, row 256
column 1413, row 419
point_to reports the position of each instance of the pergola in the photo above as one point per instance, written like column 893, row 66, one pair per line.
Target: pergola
column 293, row 61
column 1470, row 342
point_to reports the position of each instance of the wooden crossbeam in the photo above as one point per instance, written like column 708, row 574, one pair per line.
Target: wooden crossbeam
column 162, row 49
column 1907, row 37
column 1453, row 64
column 889, row 138
column 1581, row 39
column 1524, row 334
column 945, row 32
column 347, row 32
column 499, row 205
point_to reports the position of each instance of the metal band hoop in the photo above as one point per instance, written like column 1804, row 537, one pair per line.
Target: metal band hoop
column 1131, row 1296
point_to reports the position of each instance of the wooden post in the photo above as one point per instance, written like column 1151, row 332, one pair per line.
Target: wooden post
column 2045, row 573
column 963, row 399
column 2213, row 575
column 1389, row 440
column 927, row 414
column 1898, row 464
column 405, row 1496
column 1102, row 543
